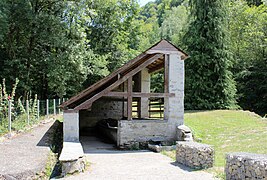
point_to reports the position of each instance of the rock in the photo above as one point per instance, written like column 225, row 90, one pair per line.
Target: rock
column 184, row 133
column 70, row 167
column 245, row 166
column 194, row 155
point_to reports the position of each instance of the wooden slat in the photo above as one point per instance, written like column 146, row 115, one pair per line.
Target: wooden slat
column 129, row 98
column 155, row 110
column 88, row 103
column 139, row 94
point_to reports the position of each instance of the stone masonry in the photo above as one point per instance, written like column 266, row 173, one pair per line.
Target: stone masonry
column 194, row 155
column 130, row 132
column 246, row 166
column 72, row 158
column 145, row 87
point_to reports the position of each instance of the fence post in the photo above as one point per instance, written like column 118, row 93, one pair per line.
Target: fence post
column 28, row 112
column 47, row 107
column 54, row 100
column 38, row 109
column 9, row 116
column 58, row 105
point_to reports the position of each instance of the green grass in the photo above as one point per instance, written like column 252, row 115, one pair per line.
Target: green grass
column 19, row 123
column 229, row 131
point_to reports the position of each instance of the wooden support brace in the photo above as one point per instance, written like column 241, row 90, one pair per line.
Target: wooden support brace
column 138, row 94
column 166, row 73
column 87, row 104
column 129, row 98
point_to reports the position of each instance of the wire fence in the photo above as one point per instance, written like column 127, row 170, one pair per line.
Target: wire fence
column 16, row 115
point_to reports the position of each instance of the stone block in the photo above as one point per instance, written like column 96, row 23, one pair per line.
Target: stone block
column 194, row 155
column 72, row 158
column 242, row 165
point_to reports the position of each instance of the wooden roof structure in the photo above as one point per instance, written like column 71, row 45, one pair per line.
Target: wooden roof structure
column 153, row 59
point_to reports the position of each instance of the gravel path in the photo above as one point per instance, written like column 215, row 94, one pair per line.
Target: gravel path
column 26, row 154
column 111, row 164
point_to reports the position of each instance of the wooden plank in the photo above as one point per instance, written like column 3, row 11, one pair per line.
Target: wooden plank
column 87, row 104
column 166, row 73
column 155, row 69
column 103, row 81
column 129, row 98
column 139, row 94
column 166, row 47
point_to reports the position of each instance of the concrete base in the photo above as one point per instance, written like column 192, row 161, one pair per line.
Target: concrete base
column 71, row 126
column 72, row 158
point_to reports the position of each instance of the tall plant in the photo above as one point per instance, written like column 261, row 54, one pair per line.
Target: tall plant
column 5, row 97
column 209, row 81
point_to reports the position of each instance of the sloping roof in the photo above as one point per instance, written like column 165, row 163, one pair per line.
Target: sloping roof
column 152, row 59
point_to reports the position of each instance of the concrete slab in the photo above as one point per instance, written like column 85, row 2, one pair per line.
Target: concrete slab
column 25, row 155
column 108, row 163
column 71, row 151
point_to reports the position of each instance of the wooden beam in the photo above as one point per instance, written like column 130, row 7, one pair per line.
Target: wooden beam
column 139, row 94
column 88, row 103
column 129, row 98
column 155, row 69
column 103, row 81
column 166, row 73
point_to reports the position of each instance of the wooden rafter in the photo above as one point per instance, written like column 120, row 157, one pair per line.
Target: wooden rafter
column 103, row 86
column 156, row 68
column 88, row 103
column 129, row 98
column 103, row 81
column 139, row 94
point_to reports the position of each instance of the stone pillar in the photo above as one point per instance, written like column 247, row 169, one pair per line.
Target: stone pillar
column 175, row 105
column 145, row 88
column 71, row 126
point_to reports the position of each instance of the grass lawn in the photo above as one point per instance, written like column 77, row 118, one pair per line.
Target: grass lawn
column 228, row 131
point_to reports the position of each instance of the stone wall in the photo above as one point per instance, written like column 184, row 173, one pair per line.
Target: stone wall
column 103, row 108
column 72, row 158
column 130, row 132
column 194, row 155
column 246, row 166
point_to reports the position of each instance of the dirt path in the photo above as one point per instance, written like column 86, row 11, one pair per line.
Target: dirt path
column 26, row 154
column 108, row 163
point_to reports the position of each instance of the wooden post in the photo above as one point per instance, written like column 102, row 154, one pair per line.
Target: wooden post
column 9, row 116
column 166, row 73
column 54, row 101
column 47, row 107
column 59, row 105
column 38, row 109
column 166, row 86
column 129, row 98
column 28, row 111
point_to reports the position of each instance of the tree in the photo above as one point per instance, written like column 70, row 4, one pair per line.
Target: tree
column 113, row 30
column 174, row 24
column 248, row 44
column 209, row 82
column 43, row 43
